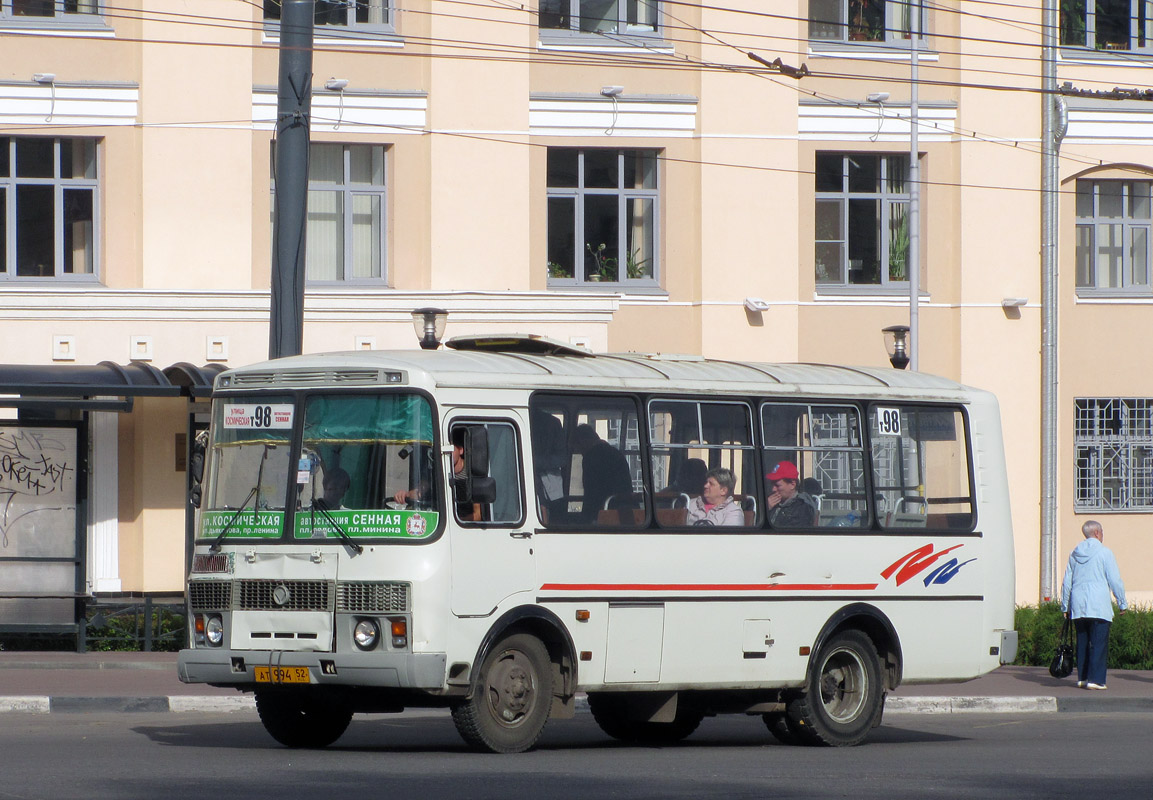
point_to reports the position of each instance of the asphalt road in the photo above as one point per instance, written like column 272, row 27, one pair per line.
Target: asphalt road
column 138, row 756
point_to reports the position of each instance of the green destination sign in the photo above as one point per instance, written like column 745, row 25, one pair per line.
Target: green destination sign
column 249, row 524
column 368, row 523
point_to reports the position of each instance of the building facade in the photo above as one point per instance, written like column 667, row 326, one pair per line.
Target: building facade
column 645, row 175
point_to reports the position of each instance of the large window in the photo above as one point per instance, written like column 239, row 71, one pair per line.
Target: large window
column 602, row 217
column 1107, row 24
column 31, row 11
column 346, row 212
column 48, row 191
column 1113, row 440
column 1113, row 223
column 880, row 21
column 611, row 18
column 349, row 15
column 862, row 219
column 920, row 461
column 587, row 461
column 823, row 444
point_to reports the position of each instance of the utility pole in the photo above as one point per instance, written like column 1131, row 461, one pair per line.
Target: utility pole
column 914, row 258
column 1050, row 141
column 290, row 203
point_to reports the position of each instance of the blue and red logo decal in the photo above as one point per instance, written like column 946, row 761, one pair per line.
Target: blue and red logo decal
column 911, row 564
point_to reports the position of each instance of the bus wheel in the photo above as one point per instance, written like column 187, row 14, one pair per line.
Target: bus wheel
column 512, row 698
column 611, row 714
column 302, row 720
column 844, row 693
column 784, row 730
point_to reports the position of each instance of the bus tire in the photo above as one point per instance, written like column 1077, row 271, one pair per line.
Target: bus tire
column 302, row 719
column 511, row 701
column 611, row 714
column 844, row 693
column 784, row 730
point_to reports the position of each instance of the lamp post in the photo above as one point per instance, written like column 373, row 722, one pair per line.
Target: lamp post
column 897, row 345
column 429, row 324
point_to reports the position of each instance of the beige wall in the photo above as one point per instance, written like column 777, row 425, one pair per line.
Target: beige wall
column 185, row 209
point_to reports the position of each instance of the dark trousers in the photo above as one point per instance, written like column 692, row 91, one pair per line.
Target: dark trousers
column 1092, row 648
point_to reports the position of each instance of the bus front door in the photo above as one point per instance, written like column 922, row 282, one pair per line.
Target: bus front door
column 491, row 540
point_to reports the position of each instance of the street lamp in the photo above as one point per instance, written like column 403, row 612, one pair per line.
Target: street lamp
column 429, row 324
column 897, row 345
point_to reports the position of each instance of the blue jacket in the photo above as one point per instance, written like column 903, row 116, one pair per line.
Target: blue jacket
column 1092, row 573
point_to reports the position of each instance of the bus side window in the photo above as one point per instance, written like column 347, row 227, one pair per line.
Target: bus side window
column 920, row 463
column 486, row 483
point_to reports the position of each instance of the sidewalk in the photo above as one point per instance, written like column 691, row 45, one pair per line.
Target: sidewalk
column 71, row 682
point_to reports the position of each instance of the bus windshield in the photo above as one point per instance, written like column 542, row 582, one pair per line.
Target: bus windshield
column 365, row 468
column 248, row 467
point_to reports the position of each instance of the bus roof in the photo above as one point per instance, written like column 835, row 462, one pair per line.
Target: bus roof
column 527, row 362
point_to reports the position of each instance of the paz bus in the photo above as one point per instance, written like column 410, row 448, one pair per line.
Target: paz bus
column 505, row 525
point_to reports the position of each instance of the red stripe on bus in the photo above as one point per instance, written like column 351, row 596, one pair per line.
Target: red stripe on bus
column 706, row 587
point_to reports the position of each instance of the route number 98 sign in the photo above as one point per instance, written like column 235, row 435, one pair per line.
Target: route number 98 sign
column 888, row 421
column 258, row 415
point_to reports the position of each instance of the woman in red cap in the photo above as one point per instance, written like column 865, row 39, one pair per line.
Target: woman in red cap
column 789, row 507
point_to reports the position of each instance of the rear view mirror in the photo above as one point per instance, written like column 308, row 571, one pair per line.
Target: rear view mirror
column 196, row 468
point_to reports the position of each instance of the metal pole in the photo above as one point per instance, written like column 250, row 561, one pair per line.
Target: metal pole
column 914, row 259
column 290, row 203
column 1050, row 140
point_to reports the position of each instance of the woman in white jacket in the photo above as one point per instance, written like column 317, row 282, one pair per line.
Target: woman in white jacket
column 1090, row 577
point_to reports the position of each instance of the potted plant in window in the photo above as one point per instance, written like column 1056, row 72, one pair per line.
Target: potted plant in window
column 635, row 265
column 604, row 267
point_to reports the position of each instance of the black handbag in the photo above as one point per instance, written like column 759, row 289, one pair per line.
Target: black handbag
column 1065, row 658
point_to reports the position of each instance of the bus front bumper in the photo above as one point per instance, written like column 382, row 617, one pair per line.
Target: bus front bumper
column 239, row 668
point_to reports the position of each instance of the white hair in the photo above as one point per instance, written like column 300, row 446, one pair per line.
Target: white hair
column 1091, row 528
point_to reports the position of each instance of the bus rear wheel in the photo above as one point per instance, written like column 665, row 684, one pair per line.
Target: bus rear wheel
column 511, row 700
column 611, row 714
column 302, row 719
column 844, row 694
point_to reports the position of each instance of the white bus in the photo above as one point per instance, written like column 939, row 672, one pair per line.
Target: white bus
column 497, row 526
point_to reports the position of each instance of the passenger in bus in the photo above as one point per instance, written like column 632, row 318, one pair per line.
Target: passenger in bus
column 604, row 470
column 335, row 484
column 550, row 455
column 715, row 504
column 788, row 506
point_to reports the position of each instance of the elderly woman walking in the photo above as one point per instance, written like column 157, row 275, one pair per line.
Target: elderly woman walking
column 1091, row 575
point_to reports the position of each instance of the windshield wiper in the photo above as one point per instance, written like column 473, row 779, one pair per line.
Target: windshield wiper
column 348, row 540
column 215, row 546
column 255, row 492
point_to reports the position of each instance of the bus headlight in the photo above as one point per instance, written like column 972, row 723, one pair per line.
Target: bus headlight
column 214, row 630
column 366, row 634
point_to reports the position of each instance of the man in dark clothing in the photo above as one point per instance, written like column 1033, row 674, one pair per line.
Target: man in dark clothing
column 789, row 507
column 604, row 470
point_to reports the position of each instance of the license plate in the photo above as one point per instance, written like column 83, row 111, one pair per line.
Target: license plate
column 282, row 674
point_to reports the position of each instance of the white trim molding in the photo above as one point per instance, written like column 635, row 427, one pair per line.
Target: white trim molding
column 874, row 122
column 68, row 104
column 623, row 116
column 350, row 111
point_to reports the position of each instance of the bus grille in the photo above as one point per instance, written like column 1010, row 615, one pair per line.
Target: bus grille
column 210, row 595
column 365, row 596
column 272, row 594
column 362, row 377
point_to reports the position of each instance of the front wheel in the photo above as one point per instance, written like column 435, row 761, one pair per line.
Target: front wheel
column 302, row 719
column 844, row 693
column 511, row 700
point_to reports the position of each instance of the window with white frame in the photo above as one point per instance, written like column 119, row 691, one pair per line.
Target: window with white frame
column 346, row 212
column 32, row 11
column 1113, row 226
column 352, row 15
column 602, row 216
column 1113, row 440
column 878, row 21
column 862, row 220
column 626, row 18
column 1122, row 25
column 48, row 207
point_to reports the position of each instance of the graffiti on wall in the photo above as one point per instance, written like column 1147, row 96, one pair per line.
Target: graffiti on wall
column 37, row 487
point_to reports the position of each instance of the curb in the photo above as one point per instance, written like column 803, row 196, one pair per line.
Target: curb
column 971, row 705
column 203, row 704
